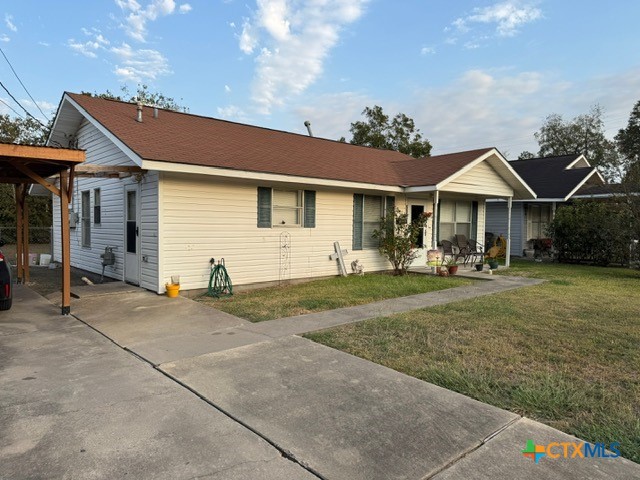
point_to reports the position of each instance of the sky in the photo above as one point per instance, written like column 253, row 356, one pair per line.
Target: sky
column 472, row 74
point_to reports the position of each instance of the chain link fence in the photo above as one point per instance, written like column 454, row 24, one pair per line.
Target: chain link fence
column 40, row 240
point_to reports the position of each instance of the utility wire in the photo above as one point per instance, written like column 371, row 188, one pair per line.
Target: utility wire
column 20, row 105
column 11, row 108
column 25, row 88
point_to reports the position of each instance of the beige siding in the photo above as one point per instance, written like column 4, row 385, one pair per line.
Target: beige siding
column 204, row 218
column 110, row 230
column 480, row 180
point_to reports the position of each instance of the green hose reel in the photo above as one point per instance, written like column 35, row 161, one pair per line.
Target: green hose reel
column 219, row 281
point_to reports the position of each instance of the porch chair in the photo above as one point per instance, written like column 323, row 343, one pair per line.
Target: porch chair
column 447, row 251
column 463, row 246
column 476, row 251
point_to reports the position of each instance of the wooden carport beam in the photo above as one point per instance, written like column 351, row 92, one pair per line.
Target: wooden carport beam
column 37, row 178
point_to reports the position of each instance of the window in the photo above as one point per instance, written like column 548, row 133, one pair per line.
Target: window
column 539, row 217
column 86, row 219
column 367, row 212
column 96, row 206
column 457, row 218
column 286, row 208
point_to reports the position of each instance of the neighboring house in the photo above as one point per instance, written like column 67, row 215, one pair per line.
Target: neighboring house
column 555, row 180
column 270, row 203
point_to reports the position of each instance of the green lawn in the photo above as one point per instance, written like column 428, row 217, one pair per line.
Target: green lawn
column 566, row 352
column 327, row 294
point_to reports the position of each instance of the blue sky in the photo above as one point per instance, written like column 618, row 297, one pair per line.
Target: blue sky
column 471, row 73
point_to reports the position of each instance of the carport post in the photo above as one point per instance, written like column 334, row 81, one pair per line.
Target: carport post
column 65, row 242
column 25, row 235
column 19, row 236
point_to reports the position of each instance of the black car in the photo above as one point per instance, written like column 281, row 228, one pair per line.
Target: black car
column 5, row 282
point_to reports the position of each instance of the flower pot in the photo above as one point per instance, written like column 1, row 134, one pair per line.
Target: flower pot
column 479, row 267
column 172, row 289
column 493, row 264
column 453, row 269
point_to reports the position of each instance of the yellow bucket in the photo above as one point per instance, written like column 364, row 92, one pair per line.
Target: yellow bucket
column 172, row 289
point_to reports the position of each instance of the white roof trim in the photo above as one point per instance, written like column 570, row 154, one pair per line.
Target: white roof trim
column 581, row 157
column 482, row 158
column 584, row 180
column 116, row 141
column 262, row 176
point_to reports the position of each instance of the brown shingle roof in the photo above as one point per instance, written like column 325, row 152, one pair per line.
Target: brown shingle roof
column 191, row 139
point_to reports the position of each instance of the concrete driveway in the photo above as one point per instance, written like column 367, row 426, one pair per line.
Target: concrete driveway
column 332, row 414
column 75, row 405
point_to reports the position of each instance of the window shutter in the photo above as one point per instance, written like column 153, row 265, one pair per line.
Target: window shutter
column 474, row 220
column 309, row 209
column 391, row 205
column 264, row 207
column 358, row 201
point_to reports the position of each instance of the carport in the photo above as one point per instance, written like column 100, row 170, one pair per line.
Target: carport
column 23, row 165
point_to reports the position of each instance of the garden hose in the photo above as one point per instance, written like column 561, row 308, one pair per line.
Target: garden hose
column 219, row 280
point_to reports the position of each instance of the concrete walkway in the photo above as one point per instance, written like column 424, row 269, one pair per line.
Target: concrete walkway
column 336, row 415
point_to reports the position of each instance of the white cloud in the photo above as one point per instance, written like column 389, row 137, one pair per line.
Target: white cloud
column 505, row 17
column 8, row 20
column 292, row 40
column 88, row 49
column 227, row 89
column 139, row 64
column 427, row 51
column 4, row 38
column 232, row 112
column 138, row 16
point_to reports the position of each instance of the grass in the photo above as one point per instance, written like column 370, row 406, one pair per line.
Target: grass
column 327, row 294
column 566, row 352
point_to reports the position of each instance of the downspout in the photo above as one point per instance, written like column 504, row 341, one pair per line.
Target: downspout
column 507, row 260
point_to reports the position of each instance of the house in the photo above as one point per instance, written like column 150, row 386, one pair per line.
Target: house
column 555, row 180
column 169, row 191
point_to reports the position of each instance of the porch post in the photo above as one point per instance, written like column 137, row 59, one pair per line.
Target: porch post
column 434, row 220
column 25, row 235
column 507, row 260
column 65, row 245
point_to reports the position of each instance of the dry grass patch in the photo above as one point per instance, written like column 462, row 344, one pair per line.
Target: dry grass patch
column 328, row 294
column 566, row 352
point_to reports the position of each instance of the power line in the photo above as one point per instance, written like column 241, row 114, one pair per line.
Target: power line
column 23, row 86
column 20, row 105
column 11, row 108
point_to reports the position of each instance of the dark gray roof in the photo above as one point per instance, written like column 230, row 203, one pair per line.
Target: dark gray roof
column 549, row 177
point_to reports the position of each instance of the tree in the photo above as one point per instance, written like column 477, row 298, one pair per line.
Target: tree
column 144, row 95
column 628, row 142
column 29, row 132
column 398, row 239
column 526, row 155
column 398, row 134
column 584, row 134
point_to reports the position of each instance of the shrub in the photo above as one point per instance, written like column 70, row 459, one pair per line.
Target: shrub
column 398, row 237
column 593, row 231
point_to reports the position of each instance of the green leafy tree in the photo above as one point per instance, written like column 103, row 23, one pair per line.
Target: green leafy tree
column 144, row 95
column 398, row 133
column 526, row 155
column 28, row 132
column 398, row 238
column 628, row 142
column 583, row 134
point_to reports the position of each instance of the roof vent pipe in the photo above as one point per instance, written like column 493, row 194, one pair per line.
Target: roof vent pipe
column 139, row 108
column 307, row 124
column 155, row 111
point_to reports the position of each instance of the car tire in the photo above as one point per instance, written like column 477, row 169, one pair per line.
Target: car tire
column 5, row 304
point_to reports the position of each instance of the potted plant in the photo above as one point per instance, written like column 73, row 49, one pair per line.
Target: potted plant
column 493, row 263
column 479, row 267
column 452, row 266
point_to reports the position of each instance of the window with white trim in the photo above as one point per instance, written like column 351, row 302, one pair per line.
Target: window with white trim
column 456, row 218
column 367, row 213
column 538, row 219
column 96, row 206
column 286, row 208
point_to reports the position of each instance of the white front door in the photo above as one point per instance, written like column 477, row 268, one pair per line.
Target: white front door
column 415, row 210
column 132, row 234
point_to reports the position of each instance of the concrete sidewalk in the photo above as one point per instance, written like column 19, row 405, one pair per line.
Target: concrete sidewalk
column 75, row 405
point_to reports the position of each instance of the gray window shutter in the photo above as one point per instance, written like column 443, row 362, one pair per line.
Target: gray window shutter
column 264, row 207
column 309, row 209
column 358, row 200
column 474, row 221
column 391, row 205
